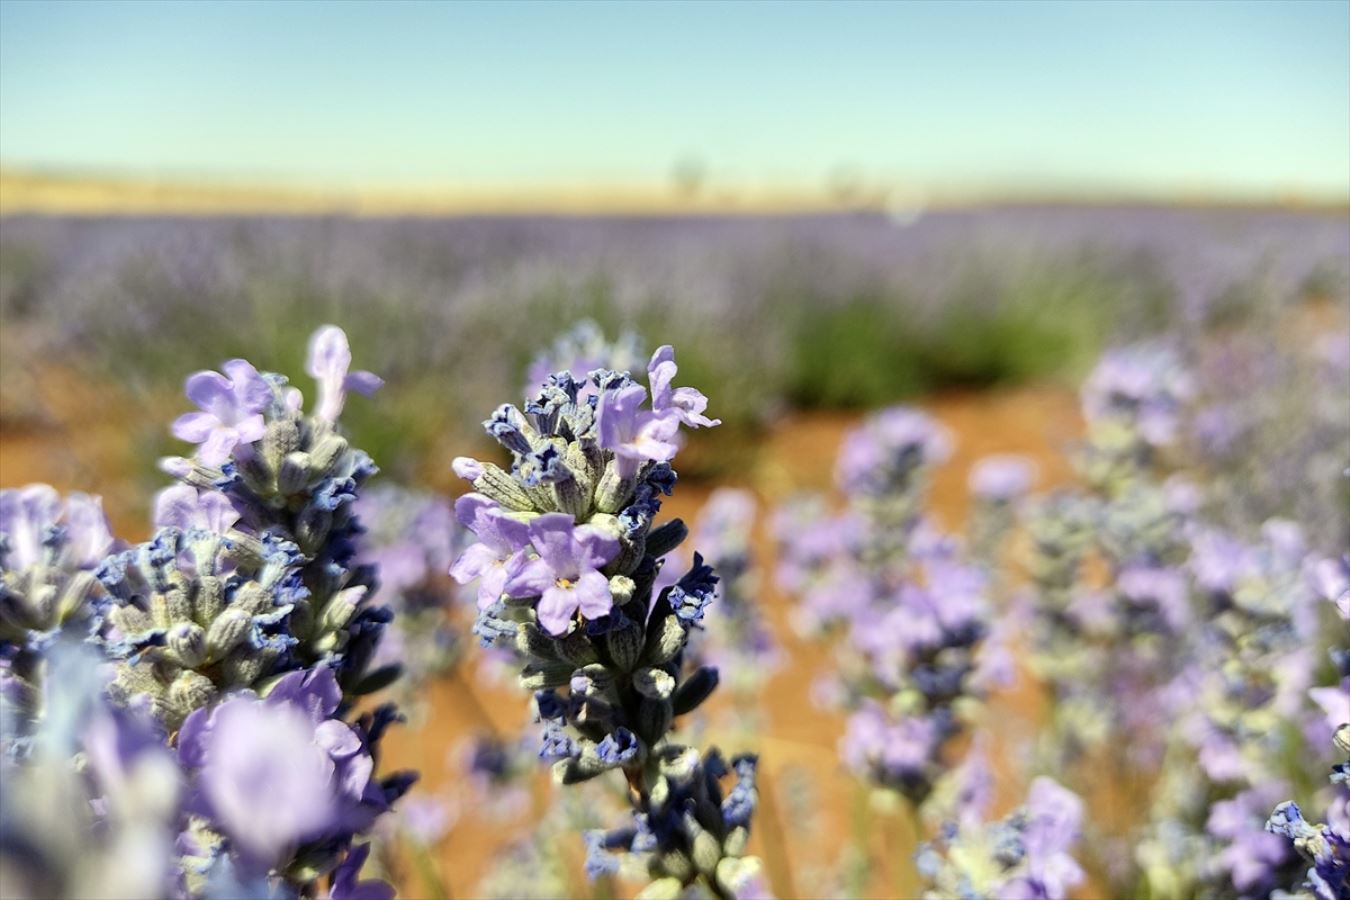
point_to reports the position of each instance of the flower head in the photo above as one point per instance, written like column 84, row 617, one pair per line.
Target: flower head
column 232, row 407
column 686, row 404
column 276, row 773
column 502, row 541
column 566, row 573
column 330, row 357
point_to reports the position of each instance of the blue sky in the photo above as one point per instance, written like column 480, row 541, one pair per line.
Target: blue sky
column 1246, row 99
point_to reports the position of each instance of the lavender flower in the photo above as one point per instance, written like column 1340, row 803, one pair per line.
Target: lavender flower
column 48, row 547
column 1325, row 845
column 1027, row 854
column 231, row 411
column 912, row 610
column 188, row 509
column 565, row 575
column 329, row 360
column 105, row 828
column 604, row 651
column 1002, row 478
column 580, row 351
column 222, row 598
column 498, row 552
column 276, row 774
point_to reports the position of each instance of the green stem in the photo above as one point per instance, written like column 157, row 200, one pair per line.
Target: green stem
column 916, row 826
column 431, row 876
column 858, row 871
column 775, row 841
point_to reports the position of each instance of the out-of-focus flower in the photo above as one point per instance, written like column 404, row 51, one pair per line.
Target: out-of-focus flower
column 1000, row 478
column 277, row 773
column 187, row 508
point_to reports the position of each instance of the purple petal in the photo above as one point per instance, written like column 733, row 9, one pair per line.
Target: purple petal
column 531, row 579
column 660, row 373
column 555, row 609
column 616, row 415
column 492, row 586
column 315, row 691
column 591, row 593
column 218, row 514
column 211, row 391
column 337, row 738
column 508, row 535
column 329, row 354
column 251, row 391
column 595, row 548
column 363, row 382
column 469, row 508
column 472, row 563
column 218, row 446
column 552, row 536
column 192, row 738
column 691, row 403
column 194, row 427
column 176, row 506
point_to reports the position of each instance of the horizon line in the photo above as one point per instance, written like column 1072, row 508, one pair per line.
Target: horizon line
column 53, row 190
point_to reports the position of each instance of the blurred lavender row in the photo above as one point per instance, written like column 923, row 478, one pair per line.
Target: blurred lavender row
column 960, row 296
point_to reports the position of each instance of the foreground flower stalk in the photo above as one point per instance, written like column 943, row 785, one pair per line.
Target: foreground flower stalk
column 206, row 678
column 566, row 562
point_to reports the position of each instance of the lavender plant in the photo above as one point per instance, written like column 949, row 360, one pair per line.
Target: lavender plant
column 1325, row 846
column 566, row 560
column 232, row 645
column 1109, row 592
column 912, row 609
column 49, row 548
column 1026, row 854
column 411, row 538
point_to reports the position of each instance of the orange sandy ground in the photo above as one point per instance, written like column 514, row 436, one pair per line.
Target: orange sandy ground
column 794, row 739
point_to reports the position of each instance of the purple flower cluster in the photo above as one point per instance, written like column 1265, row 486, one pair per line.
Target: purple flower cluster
column 49, row 549
column 912, row 610
column 410, row 538
column 1325, row 846
column 567, row 560
column 225, row 653
column 1027, row 854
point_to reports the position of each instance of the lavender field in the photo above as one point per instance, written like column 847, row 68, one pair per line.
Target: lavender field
column 985, row 553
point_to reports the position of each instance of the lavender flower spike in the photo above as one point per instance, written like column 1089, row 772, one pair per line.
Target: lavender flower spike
column 330, row 357
column 566, row 575
column 231, row 411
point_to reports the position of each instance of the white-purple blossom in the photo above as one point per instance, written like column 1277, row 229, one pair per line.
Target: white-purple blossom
column 36, row 521
column 231, row 411
column 187, row 507
column 685, row 403
column 275, row 773
column 633, row 433
column 501, row 545
column 565, row 574
column 330, row 358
